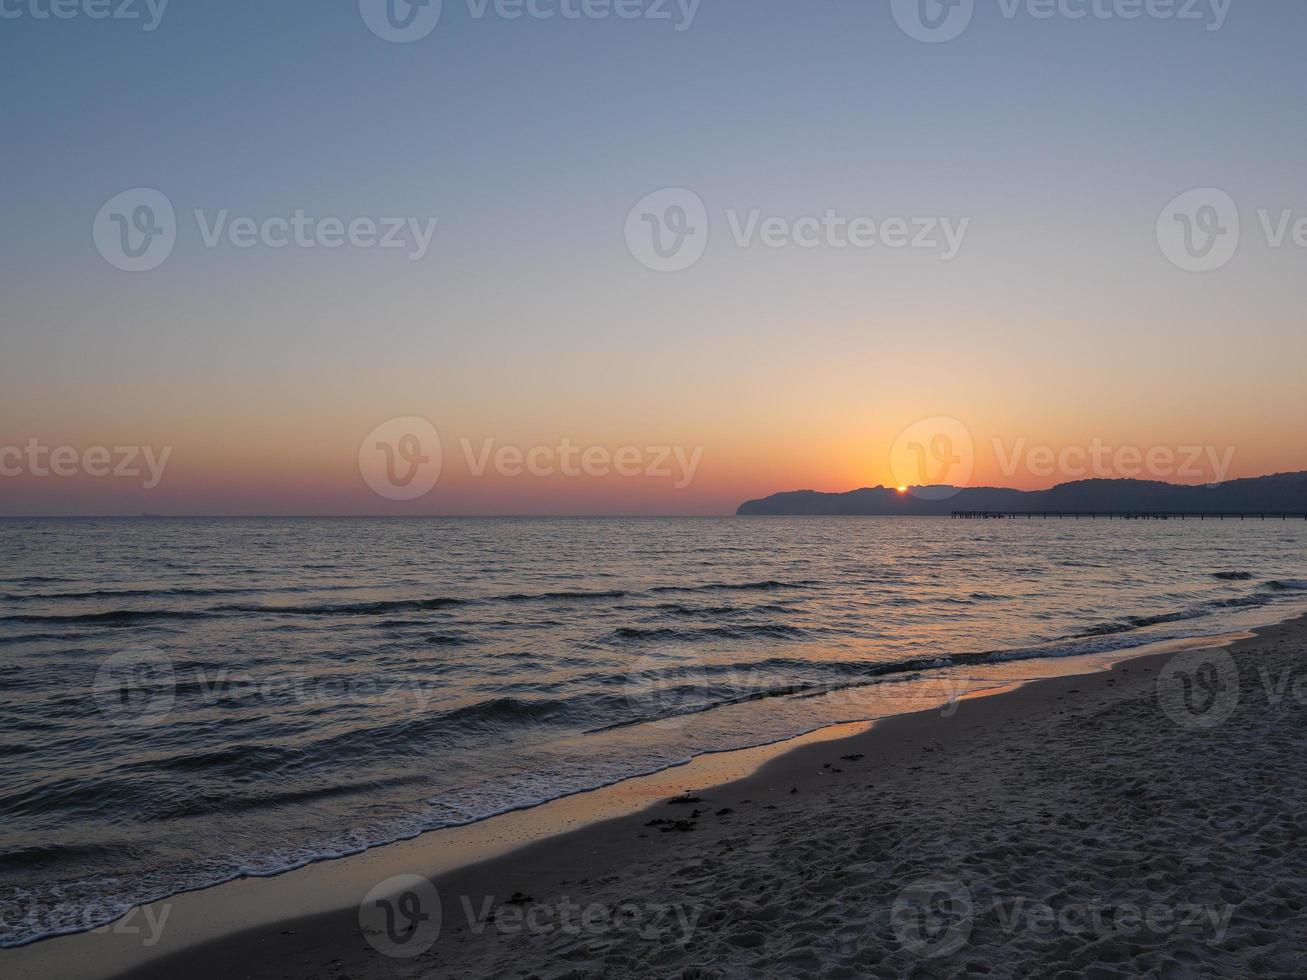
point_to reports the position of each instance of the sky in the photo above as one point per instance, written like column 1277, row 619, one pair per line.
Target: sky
column 1038, row 242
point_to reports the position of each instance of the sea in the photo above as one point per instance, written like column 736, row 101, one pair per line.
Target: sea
column 188, row 701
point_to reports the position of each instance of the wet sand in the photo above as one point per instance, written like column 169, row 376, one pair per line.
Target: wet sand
column 1143, row 819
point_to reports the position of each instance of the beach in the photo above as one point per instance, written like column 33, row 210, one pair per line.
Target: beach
column 1138, row 820
column 243, row 700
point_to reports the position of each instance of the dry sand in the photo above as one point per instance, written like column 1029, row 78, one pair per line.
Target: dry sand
column 1142, row 821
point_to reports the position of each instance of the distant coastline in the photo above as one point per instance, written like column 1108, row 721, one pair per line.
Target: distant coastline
column 1280, row 493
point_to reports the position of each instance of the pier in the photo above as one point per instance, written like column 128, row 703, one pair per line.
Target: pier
column 1130, row 515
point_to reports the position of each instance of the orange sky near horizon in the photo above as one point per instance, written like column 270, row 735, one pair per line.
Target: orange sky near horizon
column 304, row 462
column 773, row 417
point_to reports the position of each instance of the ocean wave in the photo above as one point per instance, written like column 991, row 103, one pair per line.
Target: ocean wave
column 234, row 760
column 75, row 798
column 113, row 617
column 678, row 609
column 373, row 608
column 433, row 730
column 240, row 803
column 1233, row 576
column 563, row 596
column 46, row 856
column 772, row 631
column 768, row 585
column 866, row 674
column 40, row 637
column 448, row 639
column 129, row 594
column 347, row 608
column 869, row 673
column 411, row 605
column 1243, row 601
column 1131, row 623
column 120, row 799
column 1252, row 599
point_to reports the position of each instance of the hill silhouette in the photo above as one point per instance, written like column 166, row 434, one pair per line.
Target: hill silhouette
column 1280, row 493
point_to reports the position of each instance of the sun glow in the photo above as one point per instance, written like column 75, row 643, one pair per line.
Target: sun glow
column 903, row 489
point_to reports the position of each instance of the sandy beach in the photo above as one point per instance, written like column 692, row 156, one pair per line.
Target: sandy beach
column 1142, row 820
